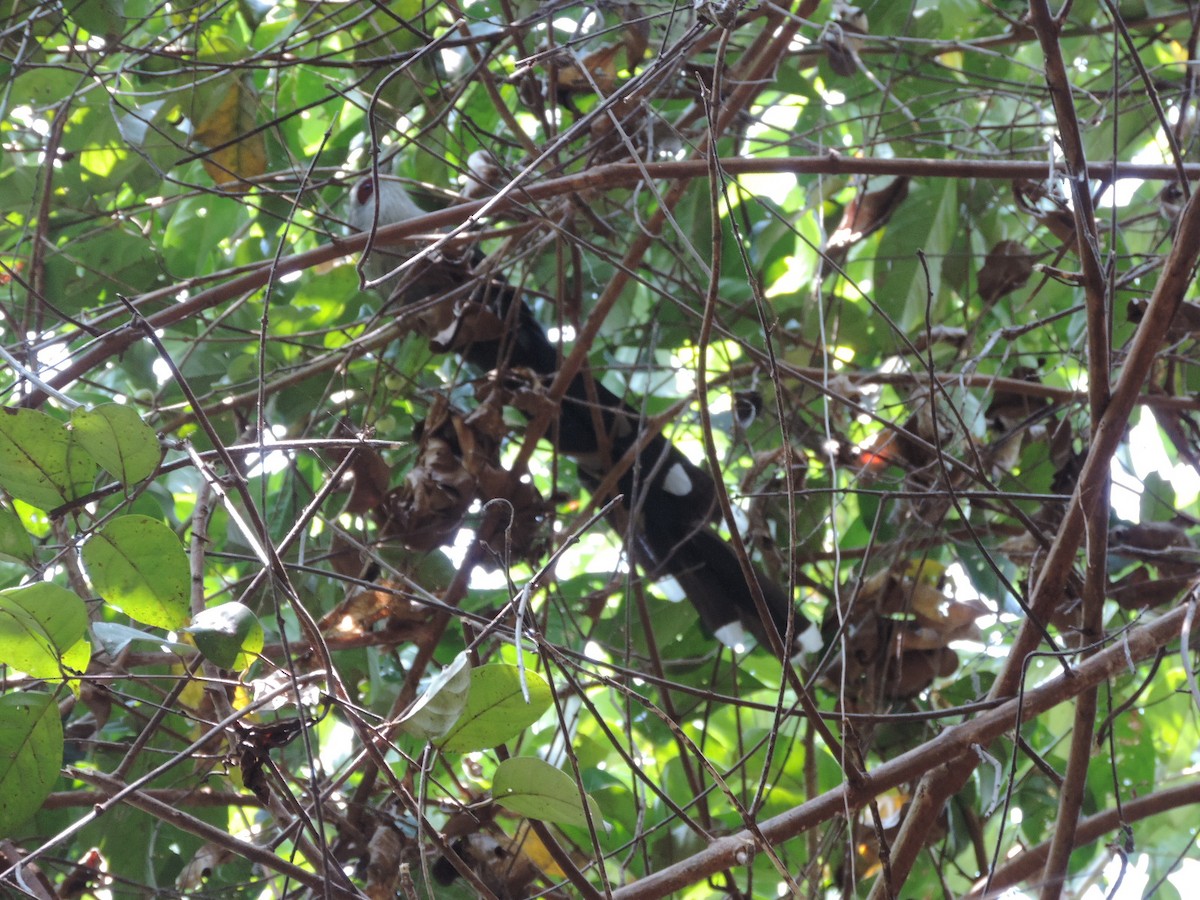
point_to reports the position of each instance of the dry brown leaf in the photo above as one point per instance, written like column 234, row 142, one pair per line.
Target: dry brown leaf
column 427, row 510
column 458, row 463
column 1007, row 267
column 915, row 671
column 363, row 609
column 899, row 631
column 384, row 856
column 200, row 867
column 1140, row 590
column 595, row 72
column 1185, row 324
column 866, row 214
column 368, row 476
column 842, row 39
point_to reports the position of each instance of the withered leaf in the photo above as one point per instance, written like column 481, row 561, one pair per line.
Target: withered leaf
column 363, row 609
column 1007, row 267
column 915, row 671
column 428, row 509
column 369, row 477
column 1139, row 589
column 866, row 214
column 1185, row 324
column 238, row 153
column 843, row 38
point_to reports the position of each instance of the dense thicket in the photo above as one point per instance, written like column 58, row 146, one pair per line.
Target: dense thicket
column 294, row 598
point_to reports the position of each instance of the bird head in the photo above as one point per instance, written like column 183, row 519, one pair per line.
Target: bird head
column 377, row 202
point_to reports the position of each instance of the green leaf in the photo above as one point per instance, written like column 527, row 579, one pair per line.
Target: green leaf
column 31, row 749
column 118, row 439
column 15, row 543
column 496, row 710
column 115, row 637
column 925, row 222
column 443, row 701
column 533, row 788
column 39, row 461
column 138, row 564
column 229, row 635
column 42, row 628
column 1158, row 503
column 98, row 16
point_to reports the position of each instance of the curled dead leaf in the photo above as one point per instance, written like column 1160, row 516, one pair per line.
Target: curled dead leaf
column 1048, row 208
column 898, row 634
column 458, row 463
column 1006, row 268
column 368, row 476
column 427, row 510
column 864, row 215
column 1185, row 324
column 912, row 672
column 842, row 38
column 1139, row 589
column 365, row 608
column 384, row 857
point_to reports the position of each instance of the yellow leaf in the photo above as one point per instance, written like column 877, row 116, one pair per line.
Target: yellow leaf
column 533, row 848
column 238, row 153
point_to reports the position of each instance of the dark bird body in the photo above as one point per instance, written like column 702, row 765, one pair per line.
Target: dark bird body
column 669, row 502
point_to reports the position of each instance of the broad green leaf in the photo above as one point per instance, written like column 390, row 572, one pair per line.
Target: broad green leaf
column 42, row 628
column 229, row 635
column 138, row 564
column 42, row 84
column 115, row 637
column 496, row 710
column 190, row 238
column 97, row 16
column 39, row 461
column 438, row 708
column 31, row 750
column 924, row 222
column 15, row 543
column 533, row 788
column 1158, row 498
column 118, row 439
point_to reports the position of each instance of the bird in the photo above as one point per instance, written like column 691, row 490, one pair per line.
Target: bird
column 667, row 500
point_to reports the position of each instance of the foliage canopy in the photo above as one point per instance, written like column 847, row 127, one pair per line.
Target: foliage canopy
column 942, row 251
